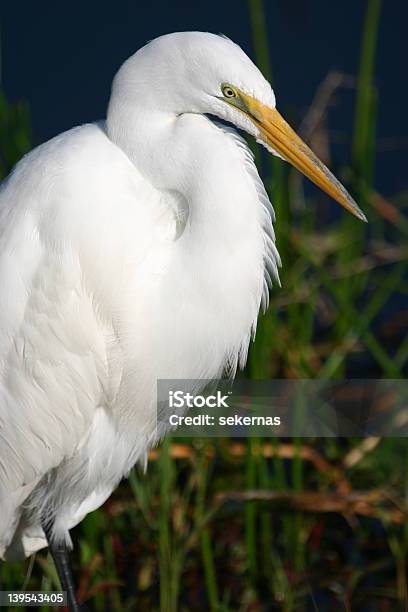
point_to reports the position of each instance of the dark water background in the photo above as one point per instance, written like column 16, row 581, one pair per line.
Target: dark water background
column 61, row 57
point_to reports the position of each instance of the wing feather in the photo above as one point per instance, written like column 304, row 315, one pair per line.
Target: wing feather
column 64, row 227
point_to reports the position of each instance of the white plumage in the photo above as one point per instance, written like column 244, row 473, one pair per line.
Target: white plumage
column 133, row 249
column 129, row 250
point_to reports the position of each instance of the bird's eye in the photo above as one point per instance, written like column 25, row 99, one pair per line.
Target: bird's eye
column 228, row 91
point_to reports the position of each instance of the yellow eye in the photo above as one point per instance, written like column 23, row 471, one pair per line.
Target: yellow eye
column 228, row 91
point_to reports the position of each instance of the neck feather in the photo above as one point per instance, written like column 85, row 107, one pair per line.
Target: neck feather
column 208, row 170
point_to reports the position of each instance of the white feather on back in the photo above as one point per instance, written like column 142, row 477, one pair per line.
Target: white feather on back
column 61, row 227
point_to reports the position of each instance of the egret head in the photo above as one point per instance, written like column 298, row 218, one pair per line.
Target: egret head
column 198, row 72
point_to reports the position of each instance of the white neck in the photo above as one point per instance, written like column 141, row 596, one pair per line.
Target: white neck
column 227, row 247
column 191, row 156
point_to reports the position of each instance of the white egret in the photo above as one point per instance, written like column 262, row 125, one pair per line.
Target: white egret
column 133, row 249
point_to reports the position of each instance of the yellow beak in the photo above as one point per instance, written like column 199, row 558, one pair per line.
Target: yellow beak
column 278, row 134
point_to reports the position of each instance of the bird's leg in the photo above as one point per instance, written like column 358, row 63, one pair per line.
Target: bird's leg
column 61, row 556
